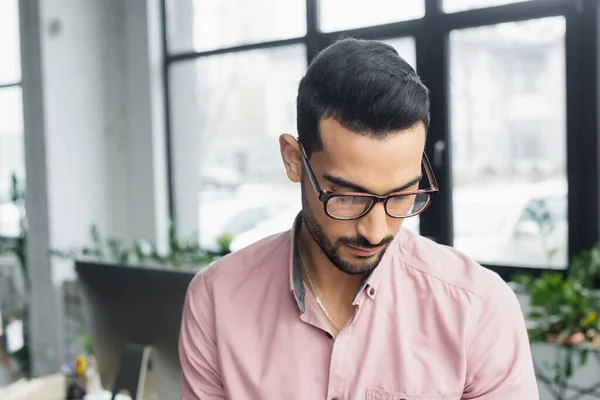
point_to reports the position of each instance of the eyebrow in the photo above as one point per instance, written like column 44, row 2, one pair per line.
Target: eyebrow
column 353, row 186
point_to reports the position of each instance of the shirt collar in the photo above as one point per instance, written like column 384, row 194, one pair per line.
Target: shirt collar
column 296, row 285
column 370, row 285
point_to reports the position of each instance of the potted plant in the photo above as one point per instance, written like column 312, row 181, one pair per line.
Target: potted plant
column 564, row 309
column 180, row 252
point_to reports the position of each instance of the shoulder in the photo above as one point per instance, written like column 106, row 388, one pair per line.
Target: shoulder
column 451, row 267
column 245, row 265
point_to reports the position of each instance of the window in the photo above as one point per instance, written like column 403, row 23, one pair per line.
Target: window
column 234, row 169
column 10, row 68
column 11, row 116
column 406, row 48
column 497, row 142
column 502, row 169
column 338, row 15
column 200, row 25
column 462, row 5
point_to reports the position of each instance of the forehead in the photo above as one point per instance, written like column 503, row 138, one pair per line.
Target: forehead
column 377, row 164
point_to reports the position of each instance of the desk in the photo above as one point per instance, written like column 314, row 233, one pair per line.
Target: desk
column 52, row 387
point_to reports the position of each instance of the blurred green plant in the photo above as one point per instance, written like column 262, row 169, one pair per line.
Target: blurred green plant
column 538, row 212
column 224, row 241
column 564, row 308
column 180, row 252
column 85, row 340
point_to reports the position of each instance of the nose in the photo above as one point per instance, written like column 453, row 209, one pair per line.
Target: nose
column 373, row 226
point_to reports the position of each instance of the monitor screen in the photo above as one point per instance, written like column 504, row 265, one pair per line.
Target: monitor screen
column 130, row 304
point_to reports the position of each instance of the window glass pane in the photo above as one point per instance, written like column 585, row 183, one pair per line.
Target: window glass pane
column 406, row 48
column 227, row 113
column 11, row 156
column 202, row 25
column 509, row 142
column 462, row 5
column 338, row 15
column 10, row 56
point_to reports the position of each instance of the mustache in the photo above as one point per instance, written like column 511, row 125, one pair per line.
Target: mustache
column 363, row 243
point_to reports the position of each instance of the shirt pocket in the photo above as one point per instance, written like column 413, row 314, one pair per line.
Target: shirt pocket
column 378, row 394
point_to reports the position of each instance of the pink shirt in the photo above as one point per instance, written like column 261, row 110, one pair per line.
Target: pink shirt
column 430, row 324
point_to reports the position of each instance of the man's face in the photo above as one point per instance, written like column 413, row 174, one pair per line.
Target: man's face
column 347, row 162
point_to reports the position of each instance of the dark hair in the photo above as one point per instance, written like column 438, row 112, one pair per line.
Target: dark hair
column 365, row 86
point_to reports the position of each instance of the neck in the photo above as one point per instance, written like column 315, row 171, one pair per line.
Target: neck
column 334, row 286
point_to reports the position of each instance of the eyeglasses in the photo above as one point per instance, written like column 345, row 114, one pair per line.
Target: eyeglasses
column 400, row 205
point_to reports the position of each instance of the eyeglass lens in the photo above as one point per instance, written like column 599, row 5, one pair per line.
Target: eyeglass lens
column 348, row 206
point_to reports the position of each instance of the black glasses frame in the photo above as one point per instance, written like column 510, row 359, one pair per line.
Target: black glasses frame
column 325, row 196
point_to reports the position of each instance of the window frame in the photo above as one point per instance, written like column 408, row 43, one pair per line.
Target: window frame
column 431, row 35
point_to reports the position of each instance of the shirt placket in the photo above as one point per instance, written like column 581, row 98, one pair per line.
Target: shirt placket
column 338, row 372
column 340, row 358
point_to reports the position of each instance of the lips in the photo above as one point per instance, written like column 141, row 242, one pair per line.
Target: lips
column 362, row 252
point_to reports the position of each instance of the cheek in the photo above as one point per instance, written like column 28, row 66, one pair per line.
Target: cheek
column 331, row 228
column 335, row 229
column 396, row 223
column 311, row 202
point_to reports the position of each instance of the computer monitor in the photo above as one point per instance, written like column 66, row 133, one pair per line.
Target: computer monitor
column 130, row 304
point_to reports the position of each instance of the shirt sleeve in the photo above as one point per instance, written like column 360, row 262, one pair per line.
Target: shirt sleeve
column 499, row 361
column 201, row 379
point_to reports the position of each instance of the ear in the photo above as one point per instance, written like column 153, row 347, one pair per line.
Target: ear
column 290, row 154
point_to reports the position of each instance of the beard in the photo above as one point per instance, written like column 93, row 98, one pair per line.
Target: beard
column 332, row 250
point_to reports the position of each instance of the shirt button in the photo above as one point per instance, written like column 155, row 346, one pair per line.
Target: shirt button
column 372, row 291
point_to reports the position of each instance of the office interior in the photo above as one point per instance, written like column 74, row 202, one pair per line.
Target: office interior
column 139, row 143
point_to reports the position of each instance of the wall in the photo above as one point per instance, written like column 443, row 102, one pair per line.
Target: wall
column 82, row 77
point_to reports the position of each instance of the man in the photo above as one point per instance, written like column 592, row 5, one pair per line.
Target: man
column 347, row 304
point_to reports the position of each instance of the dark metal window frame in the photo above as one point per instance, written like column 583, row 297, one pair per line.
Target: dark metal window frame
column 431, row 39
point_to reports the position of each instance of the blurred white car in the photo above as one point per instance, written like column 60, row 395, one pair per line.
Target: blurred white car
column 279, row 223
column 497, row 225
column 240, row 211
